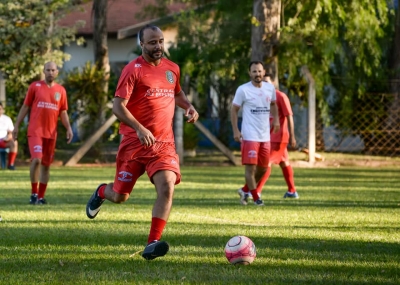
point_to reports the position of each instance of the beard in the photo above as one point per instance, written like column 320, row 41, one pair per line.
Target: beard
column 257, row 79
column 49, row 79
column 154, row 54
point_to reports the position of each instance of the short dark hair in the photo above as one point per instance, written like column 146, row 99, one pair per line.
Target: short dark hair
column 256, row 62
column 148, row 26
column 1, row 104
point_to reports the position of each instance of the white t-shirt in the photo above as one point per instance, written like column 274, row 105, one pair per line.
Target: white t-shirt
column 256, row 103
column 6, row 125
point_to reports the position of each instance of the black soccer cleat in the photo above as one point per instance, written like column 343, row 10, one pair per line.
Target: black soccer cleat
column 94, row 204
column 155, row 249
column 42, row 201
column 33, row 199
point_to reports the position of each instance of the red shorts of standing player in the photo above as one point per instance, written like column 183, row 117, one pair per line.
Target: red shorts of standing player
column 279, row 149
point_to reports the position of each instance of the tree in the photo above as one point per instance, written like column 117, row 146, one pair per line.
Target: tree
column 99, row 10
column 336, row 39
column 28, row 41
column 265, row 34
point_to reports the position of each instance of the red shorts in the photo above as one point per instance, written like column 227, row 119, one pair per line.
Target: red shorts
column 279, row 153
column 256, row 153
column 43, row 149
column 3, row 143
column 133, row 159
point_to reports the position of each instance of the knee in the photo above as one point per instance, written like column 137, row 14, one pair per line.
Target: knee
column 166, row 190
column 36, row 161
column 120, row 198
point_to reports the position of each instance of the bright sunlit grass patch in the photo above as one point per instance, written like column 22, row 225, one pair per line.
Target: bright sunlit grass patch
column 344, row 229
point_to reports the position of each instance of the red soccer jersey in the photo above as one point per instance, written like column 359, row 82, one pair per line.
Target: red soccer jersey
column 150, row 91
column 284, row 109
column 46, row 104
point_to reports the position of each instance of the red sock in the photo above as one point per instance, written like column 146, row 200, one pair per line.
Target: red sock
column 289, row 178
column 254, row 193
column 42, row 190
column 245, row 188
column 263, row 180
column 34, row 188
column 100, row 192
column 157, row 227
column 11, row 158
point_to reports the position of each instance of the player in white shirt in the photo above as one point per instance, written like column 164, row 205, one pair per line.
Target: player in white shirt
column 257, row 100
column 6, row 139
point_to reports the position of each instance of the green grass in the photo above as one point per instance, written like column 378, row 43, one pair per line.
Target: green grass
column 345, row 229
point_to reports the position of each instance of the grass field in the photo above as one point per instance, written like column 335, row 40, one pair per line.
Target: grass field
column 345, row 229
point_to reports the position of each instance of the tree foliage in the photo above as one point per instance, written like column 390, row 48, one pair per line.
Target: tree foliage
column 30, row 37
column 345, row 44
column 213, row 49
column 87, row 96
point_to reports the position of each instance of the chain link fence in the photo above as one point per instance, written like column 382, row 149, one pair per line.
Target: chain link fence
column 369, row 124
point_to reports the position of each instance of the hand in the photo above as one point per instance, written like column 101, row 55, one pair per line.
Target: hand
column 237, row 135
column 276, row 128
column 292, row 141
column 15, row 133
column 70, row 135
column 146, row 138
column 192, row 114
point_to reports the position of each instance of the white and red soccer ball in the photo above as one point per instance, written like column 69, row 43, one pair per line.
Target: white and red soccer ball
column 240, row 250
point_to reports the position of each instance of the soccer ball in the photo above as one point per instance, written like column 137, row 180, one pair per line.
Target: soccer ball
column 240, row 250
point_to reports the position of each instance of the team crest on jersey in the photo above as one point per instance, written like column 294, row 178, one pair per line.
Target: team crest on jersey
column 57, row 96
column 170, row 76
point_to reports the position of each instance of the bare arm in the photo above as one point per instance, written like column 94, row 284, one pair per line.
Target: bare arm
column 234, row 121
column 123, row 114
column 21, row 115
column 275, row 114
column 182, row 102
column 291, row 131
column 65, row 121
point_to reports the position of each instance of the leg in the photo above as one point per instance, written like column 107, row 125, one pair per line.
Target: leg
column 113, row 196
column 164, row 181
column 288, row 174
column 103, row 192
column 250, row 176
column 48, row 150
column 263, row 180
column 43, row 180
column 34, row 170
column 262, row 165
column 13, row 145
column 259, row 173
column 44, row 174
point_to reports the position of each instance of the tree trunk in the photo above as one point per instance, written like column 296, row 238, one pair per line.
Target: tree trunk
column 265, row 34
column 99, row 11
column 393, row 120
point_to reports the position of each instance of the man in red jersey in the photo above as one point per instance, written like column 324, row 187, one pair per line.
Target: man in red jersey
column 279, row 143
column 47, row 100
column 145, row 99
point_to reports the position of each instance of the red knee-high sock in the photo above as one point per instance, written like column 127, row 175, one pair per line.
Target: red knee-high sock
column 157, row 227
column 101, row 191
column 42, row 190
column 289, row 178
column 254, row 193
column 263, row 180
column 245, row 188
column 11, row 158
column 34, row 188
